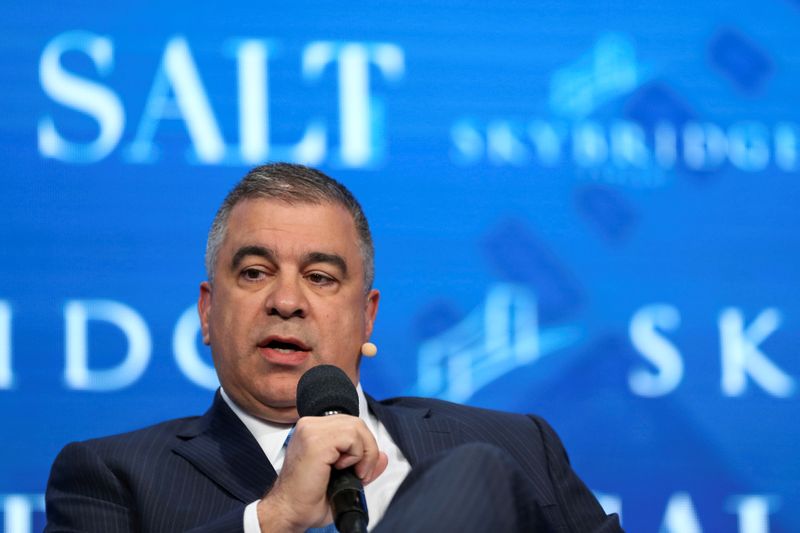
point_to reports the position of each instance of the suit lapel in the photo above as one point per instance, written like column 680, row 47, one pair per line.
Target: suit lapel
column 220, row 446
column 418, row 432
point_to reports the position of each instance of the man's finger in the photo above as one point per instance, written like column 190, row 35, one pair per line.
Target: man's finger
column 380, row 467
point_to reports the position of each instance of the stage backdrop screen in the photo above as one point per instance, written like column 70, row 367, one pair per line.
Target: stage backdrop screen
column 585, row 210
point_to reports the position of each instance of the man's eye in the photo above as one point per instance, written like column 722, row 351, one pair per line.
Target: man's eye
column 252, row 274
column 318, row 278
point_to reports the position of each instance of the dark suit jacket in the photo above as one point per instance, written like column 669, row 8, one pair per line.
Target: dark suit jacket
column 198, row 473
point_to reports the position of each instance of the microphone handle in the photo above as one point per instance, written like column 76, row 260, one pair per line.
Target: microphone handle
column 346, row 498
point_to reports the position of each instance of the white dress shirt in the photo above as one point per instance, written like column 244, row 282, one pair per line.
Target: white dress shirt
column 379, row 493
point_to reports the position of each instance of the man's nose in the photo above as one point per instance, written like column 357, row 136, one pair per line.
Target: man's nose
column 286, row 298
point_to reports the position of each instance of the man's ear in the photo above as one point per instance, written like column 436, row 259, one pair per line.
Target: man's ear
column 371, row 310
column 203, row 309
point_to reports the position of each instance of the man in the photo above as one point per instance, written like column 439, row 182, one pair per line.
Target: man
column 290, row 269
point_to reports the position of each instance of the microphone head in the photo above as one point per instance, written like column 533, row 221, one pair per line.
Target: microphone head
column 326, row 388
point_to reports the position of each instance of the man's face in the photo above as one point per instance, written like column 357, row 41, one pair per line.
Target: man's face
column 288, row 294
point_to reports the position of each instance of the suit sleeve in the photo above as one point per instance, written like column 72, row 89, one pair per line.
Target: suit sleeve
column 85, row 495
column 581, row 510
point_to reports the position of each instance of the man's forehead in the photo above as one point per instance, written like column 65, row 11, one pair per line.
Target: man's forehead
column 324, row 225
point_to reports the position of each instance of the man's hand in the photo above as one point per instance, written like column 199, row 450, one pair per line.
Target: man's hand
column 297, row 501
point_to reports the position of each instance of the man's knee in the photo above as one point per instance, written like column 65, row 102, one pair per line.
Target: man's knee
column 471, row 487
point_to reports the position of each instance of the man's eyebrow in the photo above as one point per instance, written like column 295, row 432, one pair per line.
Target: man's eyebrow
column 245, row 251
column 331, row 259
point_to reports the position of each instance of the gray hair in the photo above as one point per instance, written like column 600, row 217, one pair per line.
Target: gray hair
column 292, row 184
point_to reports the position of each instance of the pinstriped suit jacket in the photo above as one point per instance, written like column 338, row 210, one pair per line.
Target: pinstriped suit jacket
column 198, row 473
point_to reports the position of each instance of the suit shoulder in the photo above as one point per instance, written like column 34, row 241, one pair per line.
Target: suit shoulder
column 464, row 413
column 145, row 440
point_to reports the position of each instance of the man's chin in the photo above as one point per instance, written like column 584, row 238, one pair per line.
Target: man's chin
column 275, row 404
column 280, row 410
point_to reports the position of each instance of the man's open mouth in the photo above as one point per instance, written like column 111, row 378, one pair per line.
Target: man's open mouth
column 284, row 345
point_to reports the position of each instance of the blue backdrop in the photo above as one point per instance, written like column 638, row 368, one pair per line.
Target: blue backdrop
column 586, row 210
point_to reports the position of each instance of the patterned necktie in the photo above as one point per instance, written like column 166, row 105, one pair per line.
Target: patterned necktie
column 330, row 528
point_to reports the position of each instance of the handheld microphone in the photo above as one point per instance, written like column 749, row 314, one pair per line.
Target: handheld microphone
column 326, row 390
